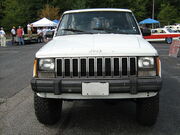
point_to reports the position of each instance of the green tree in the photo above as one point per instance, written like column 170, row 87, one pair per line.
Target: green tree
column 1, row 10
column 32, row 9
column 139, row 9
column 79, row 4
column 18, row 12
column 13, row 14
column 168, row 14
column 63, row 4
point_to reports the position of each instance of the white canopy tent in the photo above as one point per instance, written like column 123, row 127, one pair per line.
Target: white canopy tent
column 44, row 22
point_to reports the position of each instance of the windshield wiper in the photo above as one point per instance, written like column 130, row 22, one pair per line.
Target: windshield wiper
column 105, row 29
column 100, row 29
column 112, row 31
column 76, row 30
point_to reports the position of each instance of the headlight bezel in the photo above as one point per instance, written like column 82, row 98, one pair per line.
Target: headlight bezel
column 46, row 64
column 145, row 71
column 144, row 60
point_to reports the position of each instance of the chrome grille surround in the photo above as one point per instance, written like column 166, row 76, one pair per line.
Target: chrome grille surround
column 90, row 67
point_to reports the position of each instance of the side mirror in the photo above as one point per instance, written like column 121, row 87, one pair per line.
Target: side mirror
column 146, row 32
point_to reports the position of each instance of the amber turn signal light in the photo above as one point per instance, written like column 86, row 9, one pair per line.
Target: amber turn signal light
column 158, row 66
column 35, row 68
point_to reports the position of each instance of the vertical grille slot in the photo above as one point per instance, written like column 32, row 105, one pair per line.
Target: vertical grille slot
column 132, row 66
column 99, row 67
column 59, row 67
column 91, row 67
column 75, row 67
column 107, row 67
column 67, row 67
column 124, row 66
column 116, row 67
column 83, row 67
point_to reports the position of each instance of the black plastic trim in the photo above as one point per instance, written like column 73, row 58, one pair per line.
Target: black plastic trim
column 131, row 85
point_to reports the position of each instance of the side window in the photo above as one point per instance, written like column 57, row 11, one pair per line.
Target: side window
column 159, row 31
column 162, row 31
column 154, row 31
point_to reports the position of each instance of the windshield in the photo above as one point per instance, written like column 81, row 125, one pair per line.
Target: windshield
column 97, row 22
column 170, row 30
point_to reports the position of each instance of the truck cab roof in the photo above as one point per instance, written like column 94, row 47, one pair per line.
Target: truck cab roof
column 97, row 9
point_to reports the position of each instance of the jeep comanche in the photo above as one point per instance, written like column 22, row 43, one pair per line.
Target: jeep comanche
column 97, row 54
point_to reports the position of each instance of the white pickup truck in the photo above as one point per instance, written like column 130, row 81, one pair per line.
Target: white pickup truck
column 97, row 54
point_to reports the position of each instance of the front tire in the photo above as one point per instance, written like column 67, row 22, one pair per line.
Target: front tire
column 48, row 111
column 147, row 110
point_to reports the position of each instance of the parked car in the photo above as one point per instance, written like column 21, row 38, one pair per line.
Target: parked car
column 175, row 28
column 162, row 34
column 97, row 54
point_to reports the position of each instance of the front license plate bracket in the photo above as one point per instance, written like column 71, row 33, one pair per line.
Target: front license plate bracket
column 95, row 89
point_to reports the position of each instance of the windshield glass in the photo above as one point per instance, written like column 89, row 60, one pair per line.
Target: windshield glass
column 97, row 22
column 170, row 30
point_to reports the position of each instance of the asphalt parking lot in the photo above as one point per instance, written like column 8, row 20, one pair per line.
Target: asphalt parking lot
column 81, row 117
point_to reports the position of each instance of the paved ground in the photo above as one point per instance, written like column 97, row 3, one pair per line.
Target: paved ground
column 16, row 64
column 83, row 117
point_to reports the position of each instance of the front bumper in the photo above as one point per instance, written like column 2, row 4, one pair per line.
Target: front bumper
column 134, row 85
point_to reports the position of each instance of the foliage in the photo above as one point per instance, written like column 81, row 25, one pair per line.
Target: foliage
column 1, row 10
column 22, row 12
column 139, row 9
column 79, row 4
column 49, row 12
column 14, row 15
column 33, row 8
column 168, row 14
column 17, row 12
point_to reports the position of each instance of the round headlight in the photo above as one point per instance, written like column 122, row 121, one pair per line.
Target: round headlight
column 46, row 64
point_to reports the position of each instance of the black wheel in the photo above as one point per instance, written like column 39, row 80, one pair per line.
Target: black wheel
column 169, row 40
column 48, row 111
column 147, row 110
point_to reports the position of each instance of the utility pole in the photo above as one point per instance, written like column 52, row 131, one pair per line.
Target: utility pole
column 153, row 13
column 153, row 10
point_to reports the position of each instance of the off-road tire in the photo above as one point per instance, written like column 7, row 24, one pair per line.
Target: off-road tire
column 48, row 111
column 147, row 110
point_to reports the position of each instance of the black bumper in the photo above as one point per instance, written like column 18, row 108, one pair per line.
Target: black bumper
column 126, row 85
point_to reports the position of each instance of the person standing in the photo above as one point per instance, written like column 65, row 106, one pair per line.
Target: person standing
column 3, row 37
column 40, row 35
column 20, row 33
column 29, row 30
column 13, row 33
column 44, row 34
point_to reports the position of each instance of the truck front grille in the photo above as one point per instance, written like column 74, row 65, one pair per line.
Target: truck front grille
column 96, row 67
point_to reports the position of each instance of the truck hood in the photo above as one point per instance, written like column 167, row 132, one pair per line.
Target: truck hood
column 96, row 45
